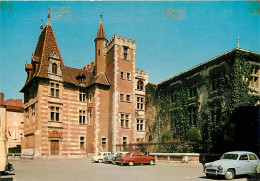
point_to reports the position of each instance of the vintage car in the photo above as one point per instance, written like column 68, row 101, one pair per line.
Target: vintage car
column 136, row 157
column 115, row 159
column 232, row 164
column 108, row 159
column 100, row 157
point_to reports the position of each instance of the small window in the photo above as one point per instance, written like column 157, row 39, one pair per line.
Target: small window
column 124, row 141
column 122, row 120
column 128, row 76
column 90, row 98
column 121, row 75
column 98, row 51
column 82, row 142
column 140, row 85
column 104, row 143
column 127, row 121
column 128, row 98
column 122, row 97
column 90, row 116
column 125, row 52
column 54, row 68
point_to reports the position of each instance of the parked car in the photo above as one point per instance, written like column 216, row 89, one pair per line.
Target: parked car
column 115, row 159
column 136, row 157
column 108, row 159
column 100, row 157
column 232, row 164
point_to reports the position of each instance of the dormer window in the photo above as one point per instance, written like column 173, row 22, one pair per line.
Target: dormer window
column 54, row 68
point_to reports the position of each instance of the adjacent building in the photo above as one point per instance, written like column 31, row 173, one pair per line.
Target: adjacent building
column 79, row 112
column 205, row 96
column 11, row 121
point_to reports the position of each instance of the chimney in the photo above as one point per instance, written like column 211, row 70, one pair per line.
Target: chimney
column 2, row 98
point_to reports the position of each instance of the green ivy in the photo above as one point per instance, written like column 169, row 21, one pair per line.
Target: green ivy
column 231, row 91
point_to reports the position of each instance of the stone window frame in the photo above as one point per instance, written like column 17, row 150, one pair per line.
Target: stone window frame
column 121, row 97
column 128, row 98
column 140, row 85
column 90, row 98
column 55, row 89
column 33, row 113
column 140, row 124
column 82, row 142
column 82, row 117
column 54, row 68
column 125, row 120
column 90, row 116
column 104, row 143
column 254, row 80
column 124, row 140
column 55, row 113
column 122, row 75
column 125, row 52
column 140, row 103
column 128, row 76
column 27, row 116
column 82, row 94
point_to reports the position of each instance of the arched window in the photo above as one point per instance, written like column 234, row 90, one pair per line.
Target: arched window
column 140, row 85
column 54, row 68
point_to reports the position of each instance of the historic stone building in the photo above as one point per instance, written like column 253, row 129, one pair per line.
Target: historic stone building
column 79, row 112
column 205, row 96
column 11, row 121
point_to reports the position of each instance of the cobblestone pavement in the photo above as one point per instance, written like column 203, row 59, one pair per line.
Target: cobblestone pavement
column 84, row 169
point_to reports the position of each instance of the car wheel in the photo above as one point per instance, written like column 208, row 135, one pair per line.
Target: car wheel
column 151, row 162
column 230, row 174
column 113, row 162
column 100, row 161
column 257, row 169
column 208, row 175
column 131, row 163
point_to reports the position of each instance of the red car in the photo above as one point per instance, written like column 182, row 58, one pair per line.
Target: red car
column 136, row 157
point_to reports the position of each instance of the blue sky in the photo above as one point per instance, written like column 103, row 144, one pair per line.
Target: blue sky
column 171, row 36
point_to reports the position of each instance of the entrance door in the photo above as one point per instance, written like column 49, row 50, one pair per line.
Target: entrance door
column 54, row 147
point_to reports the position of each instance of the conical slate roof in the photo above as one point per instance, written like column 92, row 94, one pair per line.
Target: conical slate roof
column 101, row 31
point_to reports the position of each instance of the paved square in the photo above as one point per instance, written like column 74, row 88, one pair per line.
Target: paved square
column 84, row 169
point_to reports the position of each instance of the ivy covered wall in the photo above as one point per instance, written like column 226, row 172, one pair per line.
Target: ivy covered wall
column 205, row 97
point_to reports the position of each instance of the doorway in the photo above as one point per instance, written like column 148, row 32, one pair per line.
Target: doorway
column 55, row 147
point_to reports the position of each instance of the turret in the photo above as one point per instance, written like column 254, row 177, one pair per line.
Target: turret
column 100, row 44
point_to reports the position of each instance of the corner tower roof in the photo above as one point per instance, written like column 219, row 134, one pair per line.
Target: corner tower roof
column 101, row 30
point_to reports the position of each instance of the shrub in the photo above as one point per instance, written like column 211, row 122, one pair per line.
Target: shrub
column 193, row 134
column 166, row 136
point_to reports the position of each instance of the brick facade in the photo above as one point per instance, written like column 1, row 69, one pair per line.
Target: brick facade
column 78, row 112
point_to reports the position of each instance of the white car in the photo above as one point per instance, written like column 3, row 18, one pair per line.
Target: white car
column 100, row 157
column 232, row 164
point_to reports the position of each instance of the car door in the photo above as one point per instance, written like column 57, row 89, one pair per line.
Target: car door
column 143, row 158
column 243, row 166
column 253, row 162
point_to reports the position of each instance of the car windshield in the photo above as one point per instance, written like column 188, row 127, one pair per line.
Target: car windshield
column 229, row 157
